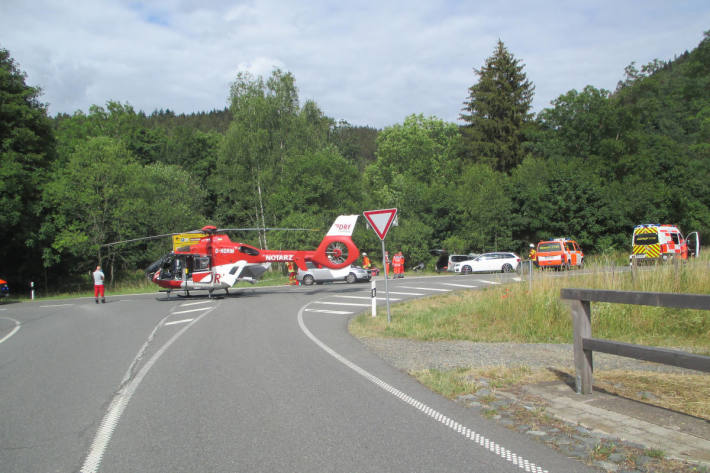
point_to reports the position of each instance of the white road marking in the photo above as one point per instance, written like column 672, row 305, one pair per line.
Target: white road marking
column 186, row 304
column 175, row 322
column 191, row 310
column 487, row 282
column 407, row 293
column 367, row 297
column 426, row 288
column 458, row 285
column 56, row 305
column 14, row 330
column 517, row 279
column 128, row 387
column 355, row 304
column 324, row 311
column 477, row 438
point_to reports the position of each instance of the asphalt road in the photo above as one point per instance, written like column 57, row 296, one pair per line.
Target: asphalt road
column 266, row 379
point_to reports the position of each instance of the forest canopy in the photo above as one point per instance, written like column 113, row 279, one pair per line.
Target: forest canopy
column 591, row 166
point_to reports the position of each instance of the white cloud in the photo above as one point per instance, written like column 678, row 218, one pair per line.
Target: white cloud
column 371, row 63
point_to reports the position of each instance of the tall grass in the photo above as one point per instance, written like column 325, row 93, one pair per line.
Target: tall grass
column 515, row 313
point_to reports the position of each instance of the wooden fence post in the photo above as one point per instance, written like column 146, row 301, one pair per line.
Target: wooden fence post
column 582, row 322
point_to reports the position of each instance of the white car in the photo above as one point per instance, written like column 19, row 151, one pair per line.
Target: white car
column 453, row 259
column 489, row 262
column 349, row 274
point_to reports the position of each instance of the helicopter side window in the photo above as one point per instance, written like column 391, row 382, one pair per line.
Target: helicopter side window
column 248, row 251
column 202, row 264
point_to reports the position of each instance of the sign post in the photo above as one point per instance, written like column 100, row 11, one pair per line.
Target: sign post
column 380, row 221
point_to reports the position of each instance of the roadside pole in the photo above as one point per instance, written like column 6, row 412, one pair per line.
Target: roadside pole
column 387, row 291
column 380, row 221
column 373, row 294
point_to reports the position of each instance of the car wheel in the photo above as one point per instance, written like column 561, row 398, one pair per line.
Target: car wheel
column 507, row 268
column 308, row 280
column 350, row 278
column 466, row 270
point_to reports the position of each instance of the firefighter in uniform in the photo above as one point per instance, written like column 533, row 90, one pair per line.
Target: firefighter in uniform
column 366, row 264
column 532, row 254
column 292, row 280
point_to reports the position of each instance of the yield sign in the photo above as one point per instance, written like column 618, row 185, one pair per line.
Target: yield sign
column 380, row 220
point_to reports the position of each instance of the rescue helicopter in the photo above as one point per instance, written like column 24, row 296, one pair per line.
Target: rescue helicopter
column 215, row 262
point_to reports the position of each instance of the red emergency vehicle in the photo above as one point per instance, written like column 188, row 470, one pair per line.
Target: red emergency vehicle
column 652, row 242
column 559, row 253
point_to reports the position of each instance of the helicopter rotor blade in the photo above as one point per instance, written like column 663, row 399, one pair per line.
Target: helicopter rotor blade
column 132, row 240
column 250, row 229
column 254, row 229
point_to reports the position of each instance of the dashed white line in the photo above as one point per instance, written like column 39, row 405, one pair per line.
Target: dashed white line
column 191, row 310
column 186, row 304
column 354, row 304
column 56, row 305
column 487, row 282
column 175, row 322
column 407, row 293
column 367, row 297
column 477, row 438
column 426, row 288
column 459, row 285
column 325, row 311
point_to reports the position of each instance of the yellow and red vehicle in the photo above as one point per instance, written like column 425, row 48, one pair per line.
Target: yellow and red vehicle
column 560, row 253
column 653, row 242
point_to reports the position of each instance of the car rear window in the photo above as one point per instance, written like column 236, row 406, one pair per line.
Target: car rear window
column 550, row 246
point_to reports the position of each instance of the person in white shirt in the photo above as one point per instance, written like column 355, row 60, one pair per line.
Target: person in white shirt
column 99, row 284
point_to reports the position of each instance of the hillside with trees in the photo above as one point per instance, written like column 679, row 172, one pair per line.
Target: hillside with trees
column 591, row 166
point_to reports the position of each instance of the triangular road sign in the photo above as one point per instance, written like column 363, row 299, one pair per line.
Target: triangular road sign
column 380, row 220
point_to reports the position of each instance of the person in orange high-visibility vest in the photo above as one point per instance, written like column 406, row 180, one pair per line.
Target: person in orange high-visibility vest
column 387, row 264
column 398, row 262
column 401, row 265
column 292, row 280
column 366, row 264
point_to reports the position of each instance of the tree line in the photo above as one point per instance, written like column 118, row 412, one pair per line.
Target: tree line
column 591, row 166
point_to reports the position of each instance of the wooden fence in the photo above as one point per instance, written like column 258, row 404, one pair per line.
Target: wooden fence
column 579, row 301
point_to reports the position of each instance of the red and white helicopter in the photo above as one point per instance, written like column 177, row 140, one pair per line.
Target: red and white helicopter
column 216, row 262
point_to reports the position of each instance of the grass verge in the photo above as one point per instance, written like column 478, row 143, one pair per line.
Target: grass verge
column 515, row 313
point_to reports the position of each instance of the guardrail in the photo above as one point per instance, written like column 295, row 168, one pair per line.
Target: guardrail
column 579, row 301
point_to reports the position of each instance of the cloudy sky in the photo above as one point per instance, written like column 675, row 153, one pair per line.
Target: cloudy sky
column 370, row 63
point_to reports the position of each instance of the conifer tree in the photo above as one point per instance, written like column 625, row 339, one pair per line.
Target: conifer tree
column 496, row 111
